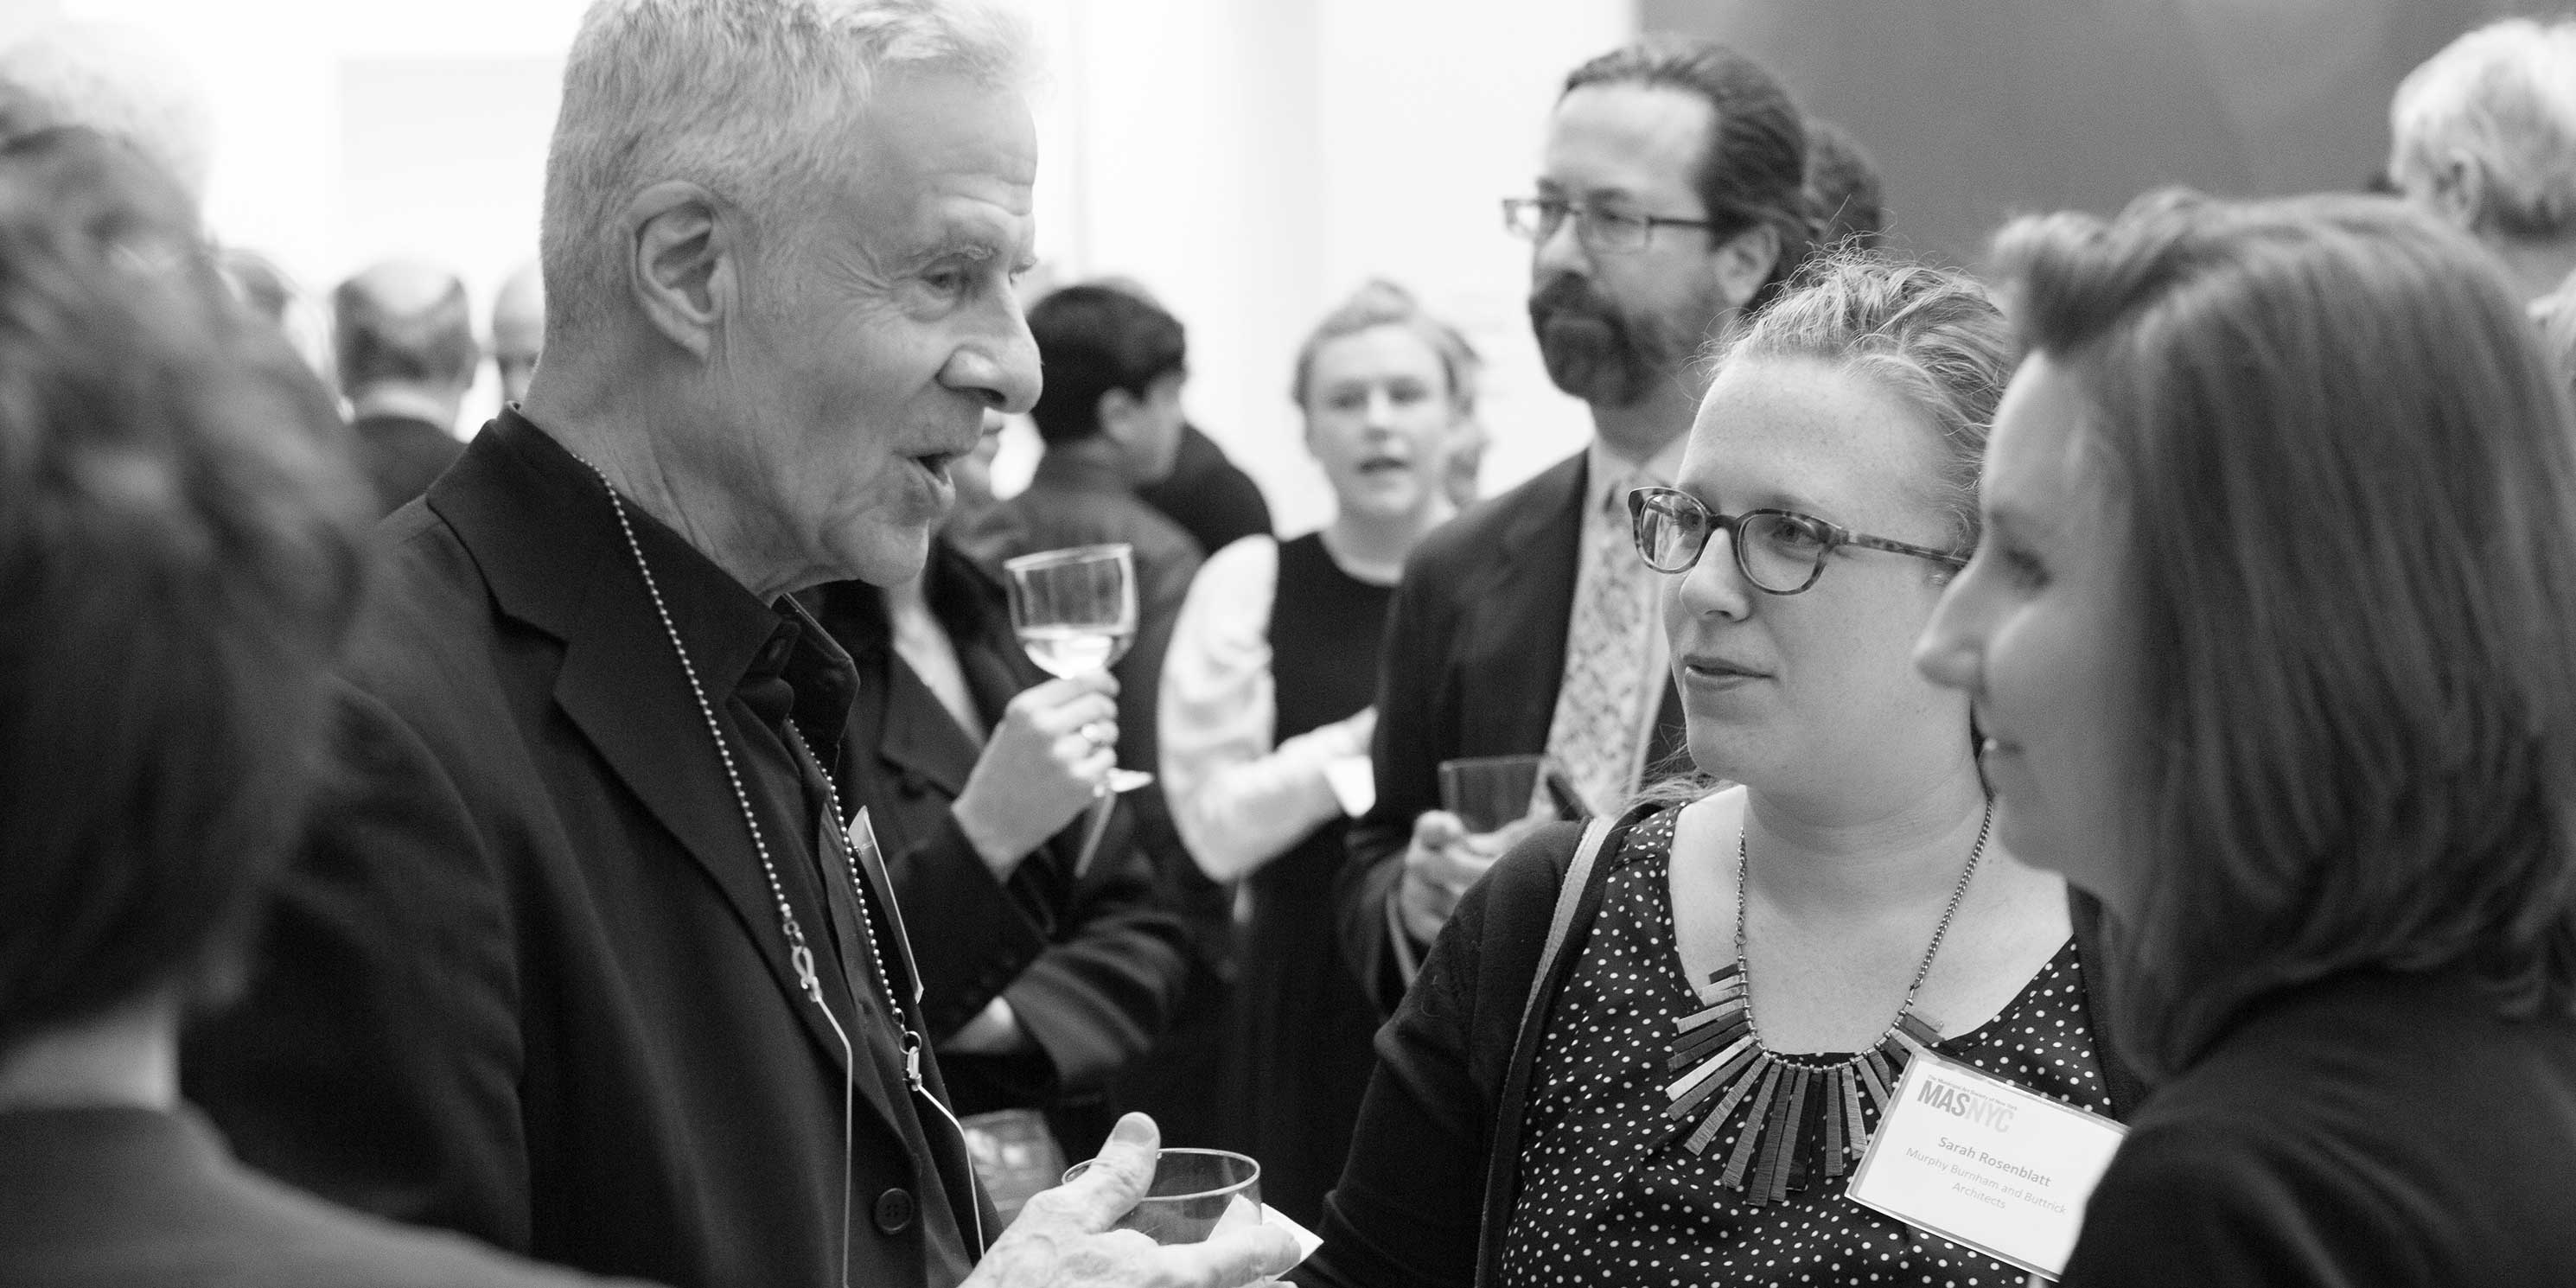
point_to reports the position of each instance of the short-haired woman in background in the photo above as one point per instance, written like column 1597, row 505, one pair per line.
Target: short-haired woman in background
column 1269, row 680
column 1803, row 930
column 2273, row 639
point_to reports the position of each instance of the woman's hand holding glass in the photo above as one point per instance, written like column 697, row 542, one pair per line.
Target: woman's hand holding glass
column 1047, row 759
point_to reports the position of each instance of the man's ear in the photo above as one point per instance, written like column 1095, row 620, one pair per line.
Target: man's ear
column 1118, row 410
column 685, row 262
column 1745, row 262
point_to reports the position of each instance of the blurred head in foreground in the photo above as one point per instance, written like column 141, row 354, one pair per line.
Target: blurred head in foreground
column 2272, row 633
column 118, row 81
column 179, row 556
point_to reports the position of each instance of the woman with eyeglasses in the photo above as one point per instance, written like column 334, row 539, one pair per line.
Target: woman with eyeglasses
column 2273, row 642
column 1681, row 1094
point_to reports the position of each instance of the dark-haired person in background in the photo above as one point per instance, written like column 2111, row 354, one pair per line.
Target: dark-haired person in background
column 403, row 340
column 181, row 555
column 1671, row 202
column 1843, row 187
column 2272, row 639
column 1205, row 491
column 1110, row 415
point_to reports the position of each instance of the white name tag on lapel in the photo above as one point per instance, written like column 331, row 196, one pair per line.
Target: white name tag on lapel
column 1984, row 1163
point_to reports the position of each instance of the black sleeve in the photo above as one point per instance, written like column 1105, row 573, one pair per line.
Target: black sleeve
column 943, row 883
column 1406, row 762
column 1410, row 1206
column 1106, row 989
column 376, row 1058
column 1162, row 584
column 1410, row 1202
column 2193, row 1205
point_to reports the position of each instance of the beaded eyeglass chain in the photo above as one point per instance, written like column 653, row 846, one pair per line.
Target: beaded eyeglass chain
column 1722, row 1047
column 800, row 955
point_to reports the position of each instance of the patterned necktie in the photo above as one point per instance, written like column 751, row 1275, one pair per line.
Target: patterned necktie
column 1594, row 731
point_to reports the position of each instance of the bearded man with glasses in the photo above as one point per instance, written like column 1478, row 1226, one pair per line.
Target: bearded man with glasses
column 1669, row 208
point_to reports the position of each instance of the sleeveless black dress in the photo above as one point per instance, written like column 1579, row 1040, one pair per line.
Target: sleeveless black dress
column 1302, row 1027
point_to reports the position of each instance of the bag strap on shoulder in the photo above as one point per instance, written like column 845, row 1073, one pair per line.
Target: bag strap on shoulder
column 1569, row 900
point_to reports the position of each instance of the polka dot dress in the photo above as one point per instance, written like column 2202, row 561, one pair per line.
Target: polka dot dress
column 1609, row 1195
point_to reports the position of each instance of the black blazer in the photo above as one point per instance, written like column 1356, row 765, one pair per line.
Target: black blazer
column 1091, row 966
column 528, row 980
column 1474, row 650
column 115, row 1197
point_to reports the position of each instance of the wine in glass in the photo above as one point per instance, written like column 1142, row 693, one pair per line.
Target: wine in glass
column 1075, row 612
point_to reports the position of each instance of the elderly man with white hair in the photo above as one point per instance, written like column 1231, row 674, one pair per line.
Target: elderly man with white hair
column 588, row 959
column 2484, row 133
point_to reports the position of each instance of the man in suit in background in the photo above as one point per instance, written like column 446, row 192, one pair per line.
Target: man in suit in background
column 1670, row 203
column 518, row 331
column 404, row 343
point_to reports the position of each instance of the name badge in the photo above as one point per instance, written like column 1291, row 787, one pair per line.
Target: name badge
column 1986, row 1164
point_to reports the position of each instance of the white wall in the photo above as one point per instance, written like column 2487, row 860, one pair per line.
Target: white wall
column 1250, row 161
column 1253, row 161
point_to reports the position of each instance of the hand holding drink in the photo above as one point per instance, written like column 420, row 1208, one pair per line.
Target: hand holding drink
column 1070, row 1236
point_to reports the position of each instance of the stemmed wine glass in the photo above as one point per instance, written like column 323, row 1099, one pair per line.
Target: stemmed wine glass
column 1075, row 612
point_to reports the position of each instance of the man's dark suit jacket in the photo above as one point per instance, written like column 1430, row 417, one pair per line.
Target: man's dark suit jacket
column 1474, row 650
column 401, row 456
column 1209, row 495
column 528, row 981
column 112, row 1197
column 1094, row 965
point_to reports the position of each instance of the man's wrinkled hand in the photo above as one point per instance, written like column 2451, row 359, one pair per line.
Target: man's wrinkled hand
column 1062, row 1238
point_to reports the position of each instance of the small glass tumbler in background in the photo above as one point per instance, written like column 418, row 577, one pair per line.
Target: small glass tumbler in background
column 1490, row 793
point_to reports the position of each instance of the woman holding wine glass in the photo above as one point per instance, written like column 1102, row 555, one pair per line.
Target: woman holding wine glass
column 1047, row 975
column 1268, row 684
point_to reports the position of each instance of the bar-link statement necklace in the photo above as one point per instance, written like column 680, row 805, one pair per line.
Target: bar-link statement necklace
column 1722, row 1047
column 800, row 955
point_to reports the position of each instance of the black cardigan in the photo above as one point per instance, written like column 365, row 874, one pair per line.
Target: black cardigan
column 1434, row 1167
